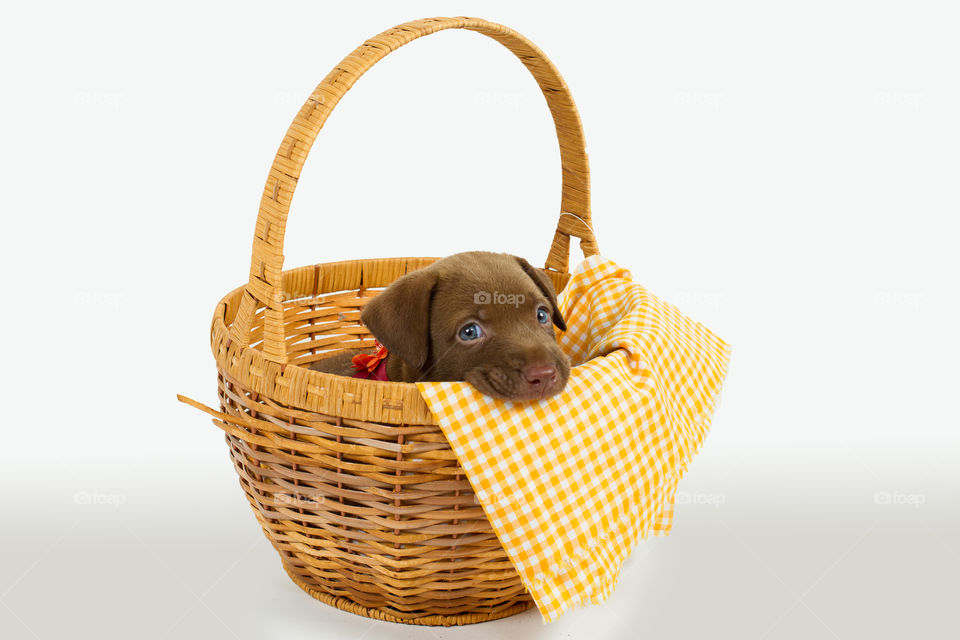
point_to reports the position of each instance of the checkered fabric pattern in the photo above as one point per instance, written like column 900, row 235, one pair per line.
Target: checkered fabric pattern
column 570, row 484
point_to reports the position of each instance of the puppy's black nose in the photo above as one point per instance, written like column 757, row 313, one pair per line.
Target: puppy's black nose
column 540, row 375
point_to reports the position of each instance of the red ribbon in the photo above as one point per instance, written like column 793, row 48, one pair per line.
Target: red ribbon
column 371, row 366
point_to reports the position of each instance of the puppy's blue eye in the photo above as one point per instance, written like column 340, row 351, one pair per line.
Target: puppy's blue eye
column 470, row 332
column 542, row 316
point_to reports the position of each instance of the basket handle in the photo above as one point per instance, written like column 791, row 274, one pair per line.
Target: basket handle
column 266, row 265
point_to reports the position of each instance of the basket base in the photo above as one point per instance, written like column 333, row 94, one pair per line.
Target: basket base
column 431, row 620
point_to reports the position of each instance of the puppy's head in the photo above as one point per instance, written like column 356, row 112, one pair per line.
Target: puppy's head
column 486, row 318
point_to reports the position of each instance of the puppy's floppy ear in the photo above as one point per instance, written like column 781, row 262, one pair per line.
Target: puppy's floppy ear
column 399, row 317
column 546, row 286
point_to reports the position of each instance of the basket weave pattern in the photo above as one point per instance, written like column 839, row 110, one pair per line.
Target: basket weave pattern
column 352, row 480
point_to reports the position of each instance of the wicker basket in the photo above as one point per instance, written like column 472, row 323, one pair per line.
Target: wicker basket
column 352, row 481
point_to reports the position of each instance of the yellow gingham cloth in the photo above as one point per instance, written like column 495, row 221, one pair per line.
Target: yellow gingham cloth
column 570, row 484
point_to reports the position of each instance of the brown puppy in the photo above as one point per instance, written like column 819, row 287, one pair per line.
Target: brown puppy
column 486, row 318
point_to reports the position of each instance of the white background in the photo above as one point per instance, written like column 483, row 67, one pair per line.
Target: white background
column 785, row 173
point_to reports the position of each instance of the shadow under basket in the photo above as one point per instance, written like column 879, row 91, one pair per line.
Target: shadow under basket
column 352, row 480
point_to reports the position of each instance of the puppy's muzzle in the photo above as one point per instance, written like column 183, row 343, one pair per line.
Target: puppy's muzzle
column 539, row 378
